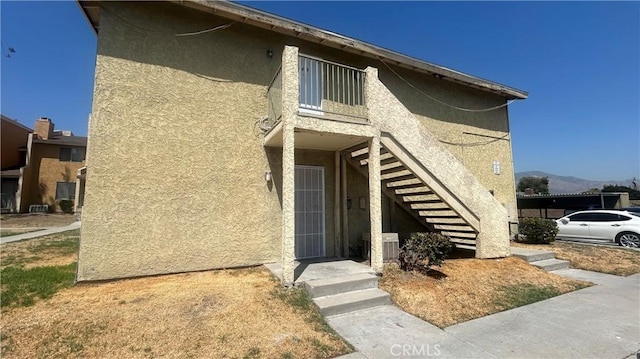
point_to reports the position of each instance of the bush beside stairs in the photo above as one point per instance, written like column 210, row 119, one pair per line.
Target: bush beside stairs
column 541, row 259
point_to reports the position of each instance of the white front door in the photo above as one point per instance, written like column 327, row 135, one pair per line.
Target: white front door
column 309, row 197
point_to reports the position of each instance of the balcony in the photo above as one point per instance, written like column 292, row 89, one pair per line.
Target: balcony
column 326, row 90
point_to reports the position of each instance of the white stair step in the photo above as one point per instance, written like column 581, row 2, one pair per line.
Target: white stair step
column 351, row 301
column 434, row 213
column 411, row 183
column 423, row 190
column 429, row 205
column 551, row 264
column 420, row 198
column 396, row 175
column 444, row 220
column 532, row 255
column 336, row 285
column 462, row 235
column 451, row 227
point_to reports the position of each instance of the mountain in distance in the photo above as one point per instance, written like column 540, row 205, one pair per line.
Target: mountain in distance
column 569, row 184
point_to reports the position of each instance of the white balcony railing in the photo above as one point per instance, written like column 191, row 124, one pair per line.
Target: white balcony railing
column 328, row 87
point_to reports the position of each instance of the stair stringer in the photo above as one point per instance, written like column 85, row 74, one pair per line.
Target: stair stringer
column 388, row 114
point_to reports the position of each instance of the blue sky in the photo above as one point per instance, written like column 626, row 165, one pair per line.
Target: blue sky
column 579, row 61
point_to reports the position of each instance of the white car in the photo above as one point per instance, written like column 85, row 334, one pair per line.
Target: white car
column 607, row 225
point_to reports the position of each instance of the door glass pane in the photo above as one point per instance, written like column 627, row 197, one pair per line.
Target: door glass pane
column 309, row 212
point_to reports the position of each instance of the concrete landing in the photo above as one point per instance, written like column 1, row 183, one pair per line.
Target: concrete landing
column 321, row 269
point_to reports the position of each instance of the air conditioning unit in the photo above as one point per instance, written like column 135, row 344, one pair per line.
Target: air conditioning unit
column 390, row 246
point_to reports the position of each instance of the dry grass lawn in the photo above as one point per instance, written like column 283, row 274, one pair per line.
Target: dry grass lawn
column 241, row 313
column 35, row 220
column 611, row 260
column 470, row 288
column 53, row 250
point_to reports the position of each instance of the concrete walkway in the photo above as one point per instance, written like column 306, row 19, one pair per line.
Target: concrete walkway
column 602, row 321
column 40, row 233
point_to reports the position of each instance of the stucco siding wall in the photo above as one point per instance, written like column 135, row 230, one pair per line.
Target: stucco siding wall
column 175, row 180
column 176, row 176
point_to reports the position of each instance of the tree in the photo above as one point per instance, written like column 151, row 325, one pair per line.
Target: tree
column 633, row 193
column 539, row 185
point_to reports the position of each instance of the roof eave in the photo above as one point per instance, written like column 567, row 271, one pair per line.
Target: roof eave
column 289, row 27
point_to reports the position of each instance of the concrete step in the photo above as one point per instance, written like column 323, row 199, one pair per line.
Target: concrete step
column 551, row 264
column 350, row 301
column 332, row 286
column 531, row 255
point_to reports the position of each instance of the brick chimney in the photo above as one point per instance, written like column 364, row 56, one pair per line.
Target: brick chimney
column 43, row 128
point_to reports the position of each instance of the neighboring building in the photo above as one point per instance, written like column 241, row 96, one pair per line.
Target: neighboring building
column 14, row 149
column 52, row 162
column 266, row 140
column 554, row 206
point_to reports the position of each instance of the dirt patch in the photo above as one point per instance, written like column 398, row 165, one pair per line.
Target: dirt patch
column 35, row 220
column 217, row 314
column 611, row 260
column 467, row 288
column 242, row 313
column 55, row 249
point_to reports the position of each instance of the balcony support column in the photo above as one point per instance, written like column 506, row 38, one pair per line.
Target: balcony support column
column 289, row 112
column 375, row 204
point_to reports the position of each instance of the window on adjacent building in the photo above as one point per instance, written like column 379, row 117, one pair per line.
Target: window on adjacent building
column 71, row 154
column 66, row 190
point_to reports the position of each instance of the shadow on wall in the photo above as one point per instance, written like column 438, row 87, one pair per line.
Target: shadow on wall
column 274, row 157
column 239, row 54
column 66, row 175
column 450, row 93
column 151, row 28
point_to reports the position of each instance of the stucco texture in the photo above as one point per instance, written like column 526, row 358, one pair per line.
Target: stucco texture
column 175, row 180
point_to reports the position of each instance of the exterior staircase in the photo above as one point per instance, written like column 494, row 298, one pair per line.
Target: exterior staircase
column 414, row 194
column 542, row 259
column 338, row 295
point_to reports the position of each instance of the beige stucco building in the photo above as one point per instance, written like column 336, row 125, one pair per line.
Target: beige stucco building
column 50, row 172
column 266, row 140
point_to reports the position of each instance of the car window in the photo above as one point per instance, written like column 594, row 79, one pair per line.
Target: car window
column 622, row 217
column 581, row 217
column 598, row 217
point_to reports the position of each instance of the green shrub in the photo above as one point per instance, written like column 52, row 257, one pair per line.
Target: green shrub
column 537, row 231
column 66, row 205
column 425, row 250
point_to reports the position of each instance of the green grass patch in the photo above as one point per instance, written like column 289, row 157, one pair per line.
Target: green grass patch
column 21, row 287
column 517, row 295
column 69, row 245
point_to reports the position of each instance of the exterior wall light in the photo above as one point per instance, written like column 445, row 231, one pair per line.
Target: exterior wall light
column 267, row 176
column 270, row 53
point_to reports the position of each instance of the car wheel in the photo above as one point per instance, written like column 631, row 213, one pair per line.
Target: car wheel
column 628, row 239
